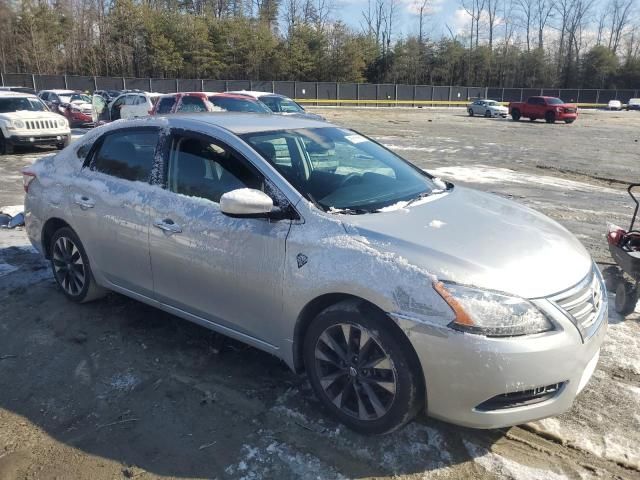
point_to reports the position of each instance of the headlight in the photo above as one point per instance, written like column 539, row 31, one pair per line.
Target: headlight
column 62, row 122
column 490, row 313
column 75, row 109
column 18, row 124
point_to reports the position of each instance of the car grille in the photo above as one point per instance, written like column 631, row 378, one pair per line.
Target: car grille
column 40, row 124
column 583, row 303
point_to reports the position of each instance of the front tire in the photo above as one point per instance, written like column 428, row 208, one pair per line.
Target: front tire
column 626, row 298
column 515, row 115
column 362, row 369
column 5, row 147
column 71, row 269
column 487, row 114
column 471, row 112
column 569, row 120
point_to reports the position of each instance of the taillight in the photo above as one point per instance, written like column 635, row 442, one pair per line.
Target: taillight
column 27, row 178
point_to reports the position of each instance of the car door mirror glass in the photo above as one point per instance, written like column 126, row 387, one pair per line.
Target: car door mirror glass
column 246, row 202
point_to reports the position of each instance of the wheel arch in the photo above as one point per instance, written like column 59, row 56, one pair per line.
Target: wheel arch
column 50, row 227
column 318, row 304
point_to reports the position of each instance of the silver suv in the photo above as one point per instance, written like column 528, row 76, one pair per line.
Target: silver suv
column 395, row 291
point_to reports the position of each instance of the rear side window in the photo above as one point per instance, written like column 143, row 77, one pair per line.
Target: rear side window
column 127, row 154
column 166, row 104
column 192, row 104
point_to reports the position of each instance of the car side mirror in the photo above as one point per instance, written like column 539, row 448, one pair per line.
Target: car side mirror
column 247, row 203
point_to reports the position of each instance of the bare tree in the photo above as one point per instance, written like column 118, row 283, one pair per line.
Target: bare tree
column 526, row 11
column 619, row 11
column 423, row 8
column 492, row 9
column 373, row 19
column 543, row 11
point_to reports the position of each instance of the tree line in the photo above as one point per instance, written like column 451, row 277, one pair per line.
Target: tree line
column 501, row 43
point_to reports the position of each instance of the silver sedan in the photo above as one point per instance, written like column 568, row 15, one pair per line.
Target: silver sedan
column 395, row 291
column 487, row 108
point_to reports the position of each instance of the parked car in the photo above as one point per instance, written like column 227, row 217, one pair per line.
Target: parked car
column 614, row 105
column 280, row 104
column 132, row 104
column 487, row 108
column 18, row 89
column 25, row 120
column 394, row 290
column 548, row 108
column 633, row 104
column 207, row 102
column 74, row 105
column 109, row 95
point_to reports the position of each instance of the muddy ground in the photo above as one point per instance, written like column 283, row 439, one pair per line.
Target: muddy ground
column 116, row 389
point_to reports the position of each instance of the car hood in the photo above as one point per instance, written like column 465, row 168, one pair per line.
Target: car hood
column 479, row 239
column 29, row 115
column 306, row 115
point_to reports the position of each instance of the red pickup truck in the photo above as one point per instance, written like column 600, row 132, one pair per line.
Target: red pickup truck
column 549, row 108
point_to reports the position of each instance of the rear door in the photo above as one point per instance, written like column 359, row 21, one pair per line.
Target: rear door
column 227, row 271
column 110, row 207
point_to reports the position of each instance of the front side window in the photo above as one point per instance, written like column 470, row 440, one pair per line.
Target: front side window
column 165, row 105
column 279, row 104
column 338, row 168
column 238, row 105
column 205, row 169
column 554, row 101
column 127, row 154
column 21, row 104
column 190, row 103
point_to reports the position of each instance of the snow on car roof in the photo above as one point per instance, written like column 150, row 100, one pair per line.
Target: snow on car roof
column 242, row 122
column 255, row 93
column 62, row 92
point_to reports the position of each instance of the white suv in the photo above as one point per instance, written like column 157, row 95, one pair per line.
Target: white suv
column 26, row 120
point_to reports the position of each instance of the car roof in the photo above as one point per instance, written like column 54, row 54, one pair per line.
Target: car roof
column 244, row 122
column 58, row 91
column 237, row 96
column 257, row 94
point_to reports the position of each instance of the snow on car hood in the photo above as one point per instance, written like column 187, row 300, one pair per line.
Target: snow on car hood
column 479, row 239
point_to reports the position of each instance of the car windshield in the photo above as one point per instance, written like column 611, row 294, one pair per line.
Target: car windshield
column 238, row 105
column 16, row 104
column 279, row 104
column 554, row 101
column 76, row 97
column 340, row 169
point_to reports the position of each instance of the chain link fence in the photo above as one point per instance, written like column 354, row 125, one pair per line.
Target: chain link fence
column 323, row 93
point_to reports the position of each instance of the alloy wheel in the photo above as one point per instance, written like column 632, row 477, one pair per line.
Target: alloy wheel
column 355, row 372
column 68, row 266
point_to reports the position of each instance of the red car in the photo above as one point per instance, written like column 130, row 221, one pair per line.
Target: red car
column 207, row 102
column 549, row 108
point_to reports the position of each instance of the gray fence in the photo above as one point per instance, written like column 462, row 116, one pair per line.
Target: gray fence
column 322, row 93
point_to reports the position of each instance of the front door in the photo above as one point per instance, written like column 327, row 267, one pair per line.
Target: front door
column 225, row 270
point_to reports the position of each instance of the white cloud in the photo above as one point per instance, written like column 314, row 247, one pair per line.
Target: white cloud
column 413, row 6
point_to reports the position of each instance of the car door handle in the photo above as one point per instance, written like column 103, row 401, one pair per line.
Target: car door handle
column 84, row 202
column 167, row 225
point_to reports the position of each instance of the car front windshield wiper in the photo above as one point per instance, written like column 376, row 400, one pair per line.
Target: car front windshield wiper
column 425, row 195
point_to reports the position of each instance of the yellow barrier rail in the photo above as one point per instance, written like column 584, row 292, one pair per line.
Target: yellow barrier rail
column 413, row 102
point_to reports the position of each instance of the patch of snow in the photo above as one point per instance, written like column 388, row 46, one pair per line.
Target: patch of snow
column 12, row 210
column 6, row 268
column 436, row 224
column 484, row 174
column 401, row 148
column 506, row 468
column 124, row 381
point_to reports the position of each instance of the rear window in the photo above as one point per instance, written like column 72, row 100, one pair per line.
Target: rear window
column 192, row 104
column 127, row 154
column 166, row 104
column 238, row 105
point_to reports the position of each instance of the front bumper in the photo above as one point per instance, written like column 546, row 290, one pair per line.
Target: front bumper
column 464, row 372
column 499, row 114
column 566, row 116
column 38, row 139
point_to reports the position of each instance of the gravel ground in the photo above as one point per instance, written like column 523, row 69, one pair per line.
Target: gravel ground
column 118, row 389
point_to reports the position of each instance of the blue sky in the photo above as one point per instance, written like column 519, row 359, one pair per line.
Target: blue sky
column 443, row 13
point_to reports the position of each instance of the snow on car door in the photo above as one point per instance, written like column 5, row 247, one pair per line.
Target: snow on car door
column 227, row 271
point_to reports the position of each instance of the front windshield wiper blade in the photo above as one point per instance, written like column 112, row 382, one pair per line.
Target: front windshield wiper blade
column 425, row 195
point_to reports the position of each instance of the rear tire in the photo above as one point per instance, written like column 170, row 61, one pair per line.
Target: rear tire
column 626, row 298
column 363, row 370
column 71, row 269
column 550, row 117
column 515, row 115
